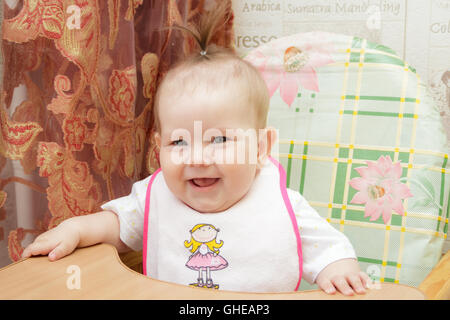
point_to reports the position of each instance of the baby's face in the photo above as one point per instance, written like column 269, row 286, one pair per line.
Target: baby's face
column 194, row 141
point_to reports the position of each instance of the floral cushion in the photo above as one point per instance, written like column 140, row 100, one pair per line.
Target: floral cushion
column 361, row 139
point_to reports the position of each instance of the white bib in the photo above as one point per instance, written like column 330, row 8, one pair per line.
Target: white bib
column 252, row 246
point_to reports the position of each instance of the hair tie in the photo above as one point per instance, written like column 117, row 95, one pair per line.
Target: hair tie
column 203, row 53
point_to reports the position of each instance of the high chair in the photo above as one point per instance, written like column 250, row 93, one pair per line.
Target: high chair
column 361, row 140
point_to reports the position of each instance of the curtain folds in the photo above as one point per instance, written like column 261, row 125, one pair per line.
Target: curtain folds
column 79, row 79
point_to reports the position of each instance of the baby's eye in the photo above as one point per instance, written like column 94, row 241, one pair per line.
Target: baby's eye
column 220, row 139
column 179, row 142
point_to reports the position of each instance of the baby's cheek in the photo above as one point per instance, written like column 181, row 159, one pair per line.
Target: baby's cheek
column 174, row 180
column 172, row 157
column 237, row 184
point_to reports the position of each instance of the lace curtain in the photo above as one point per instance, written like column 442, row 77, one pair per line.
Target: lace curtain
column 79, row 79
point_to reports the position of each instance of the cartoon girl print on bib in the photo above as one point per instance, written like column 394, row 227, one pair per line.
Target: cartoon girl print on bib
column 205, row 254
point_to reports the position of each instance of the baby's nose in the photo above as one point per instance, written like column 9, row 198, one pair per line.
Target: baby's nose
column 202, row 157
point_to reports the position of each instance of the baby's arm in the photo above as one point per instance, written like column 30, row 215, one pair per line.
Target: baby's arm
column 77, row 232
column 101, row 227
column 329, row 259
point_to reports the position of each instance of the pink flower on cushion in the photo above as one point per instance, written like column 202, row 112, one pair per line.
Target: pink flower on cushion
column 295, row 66
column 380, row 188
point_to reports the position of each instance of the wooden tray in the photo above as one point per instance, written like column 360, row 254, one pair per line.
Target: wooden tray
column 102, row 275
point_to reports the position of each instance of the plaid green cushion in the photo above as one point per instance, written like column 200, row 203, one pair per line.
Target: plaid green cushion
column 356, row 101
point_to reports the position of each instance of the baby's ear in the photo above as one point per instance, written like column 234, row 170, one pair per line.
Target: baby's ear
column 267, row 138
column 157, row 139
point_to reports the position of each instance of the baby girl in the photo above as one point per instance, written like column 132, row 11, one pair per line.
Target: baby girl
column 217, row 214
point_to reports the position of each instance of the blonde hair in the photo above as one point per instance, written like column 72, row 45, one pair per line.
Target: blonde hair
column 214, row 67
column 212, row 245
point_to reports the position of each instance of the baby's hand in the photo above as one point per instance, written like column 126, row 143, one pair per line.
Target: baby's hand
column 345, row 276
column 59, row 241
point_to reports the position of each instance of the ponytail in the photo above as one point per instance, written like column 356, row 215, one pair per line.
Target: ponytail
column 204, row 30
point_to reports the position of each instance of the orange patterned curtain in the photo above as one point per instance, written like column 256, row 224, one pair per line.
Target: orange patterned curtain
column 79, row 77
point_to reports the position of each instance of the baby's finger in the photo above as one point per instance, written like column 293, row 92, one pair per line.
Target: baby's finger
column 341, row 284
column 326, row 286
column 355, row 281
column 26, row 253
column 34, row 249
column 367, row 282
column 59, row 252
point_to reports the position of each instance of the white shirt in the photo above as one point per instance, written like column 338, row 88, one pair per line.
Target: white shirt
column 321, row 244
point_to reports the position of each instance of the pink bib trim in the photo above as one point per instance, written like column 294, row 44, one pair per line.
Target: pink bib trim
column 287, row 202
column 146, row 214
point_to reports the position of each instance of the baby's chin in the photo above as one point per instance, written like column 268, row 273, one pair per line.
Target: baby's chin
column 207, row 207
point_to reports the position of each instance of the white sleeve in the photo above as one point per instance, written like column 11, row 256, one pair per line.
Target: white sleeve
column 322, row 244
column 130, row 211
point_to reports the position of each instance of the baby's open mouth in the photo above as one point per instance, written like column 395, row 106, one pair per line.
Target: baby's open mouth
column 203, row 182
